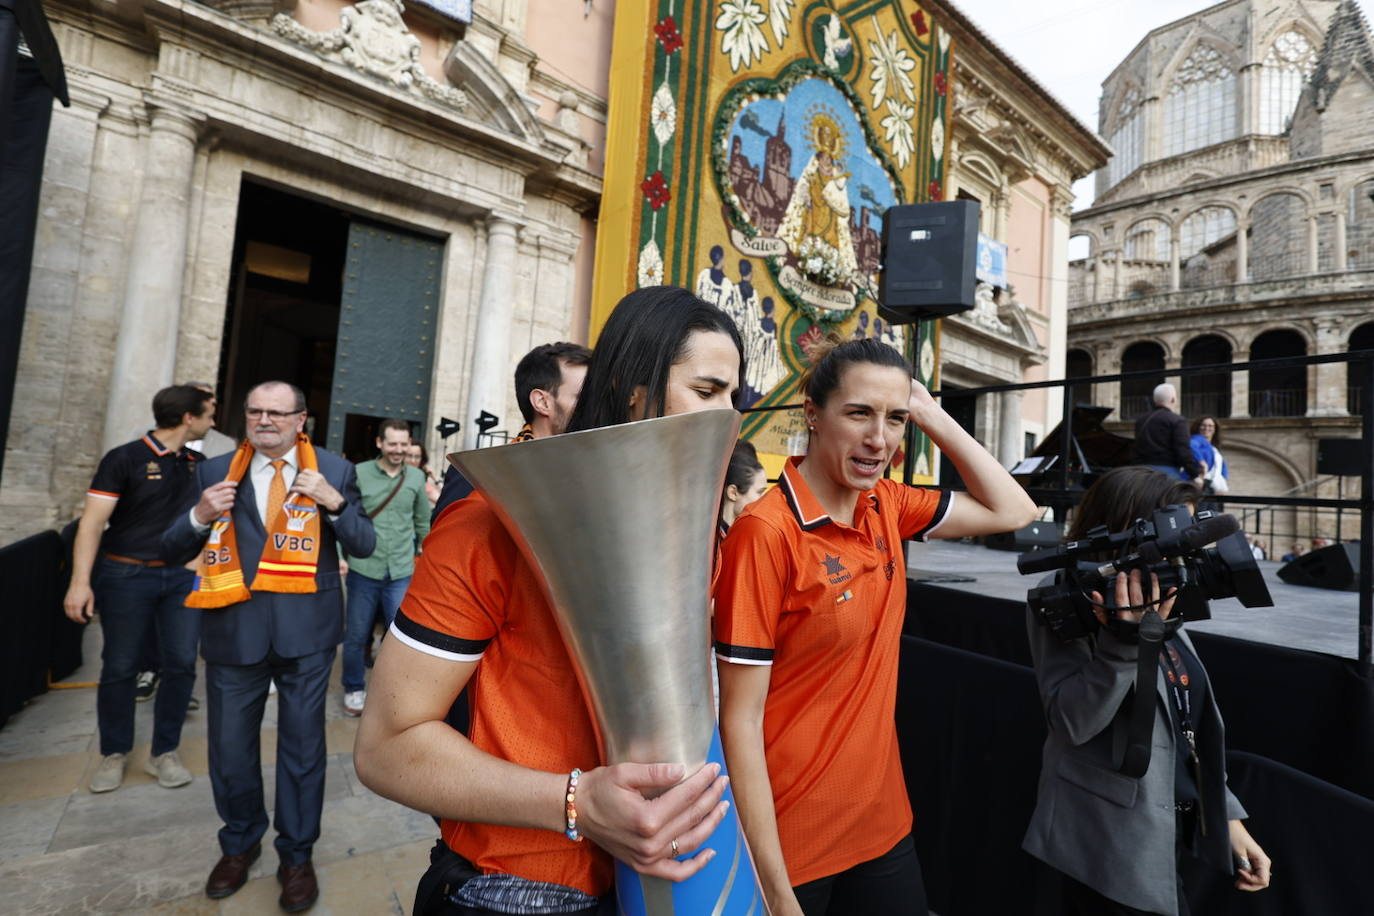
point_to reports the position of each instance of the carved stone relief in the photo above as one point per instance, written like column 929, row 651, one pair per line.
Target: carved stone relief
column 374, row 39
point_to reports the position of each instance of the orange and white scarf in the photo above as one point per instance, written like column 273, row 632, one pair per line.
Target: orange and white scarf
column 289, row 556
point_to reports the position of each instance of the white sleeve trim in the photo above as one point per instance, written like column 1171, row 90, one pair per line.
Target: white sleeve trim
column 414, row 643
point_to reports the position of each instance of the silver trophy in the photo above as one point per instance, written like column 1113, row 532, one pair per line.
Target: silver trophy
column 618, row 523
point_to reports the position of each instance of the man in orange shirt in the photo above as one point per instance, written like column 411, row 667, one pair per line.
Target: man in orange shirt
column 512, row 800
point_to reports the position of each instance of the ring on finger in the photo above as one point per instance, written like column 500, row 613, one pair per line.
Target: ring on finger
column 673, row 847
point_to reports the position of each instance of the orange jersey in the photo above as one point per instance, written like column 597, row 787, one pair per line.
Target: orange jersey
column 474, row 597
column 822, row 602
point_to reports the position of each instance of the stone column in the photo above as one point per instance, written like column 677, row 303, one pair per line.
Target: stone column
column 145, row 352
column 1175, row 265
column 1107, row 361
column 491, row 348
column 1243, row 252
column 1340, row 261
column 1010, row 442
column 1240, row 382
column 1116, row 274
column 1312, row 244
column 1326, row 389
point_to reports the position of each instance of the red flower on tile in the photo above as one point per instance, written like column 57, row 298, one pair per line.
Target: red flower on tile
column 934, row 192
column 918, row 22
column 940, row 85
column 655, row 189
column 808, row 340
column 668, row 34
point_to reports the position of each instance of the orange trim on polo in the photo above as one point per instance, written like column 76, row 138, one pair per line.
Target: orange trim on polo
column 155, row 445
column 102, row 494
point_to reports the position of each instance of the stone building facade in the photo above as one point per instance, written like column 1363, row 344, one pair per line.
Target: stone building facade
column 1236, row 222
column 1017, row 151
column 264, row 188
column 388, row 205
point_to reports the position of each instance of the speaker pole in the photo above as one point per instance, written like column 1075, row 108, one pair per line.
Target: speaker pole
column 1366, row 571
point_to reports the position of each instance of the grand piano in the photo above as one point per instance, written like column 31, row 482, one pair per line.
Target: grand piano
column 1091, row 451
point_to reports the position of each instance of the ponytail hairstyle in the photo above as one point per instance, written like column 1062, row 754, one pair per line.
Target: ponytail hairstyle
column 643, row 339
column 744, row 464
column 832, row 355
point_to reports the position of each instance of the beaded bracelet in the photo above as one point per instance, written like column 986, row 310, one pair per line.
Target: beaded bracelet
column 570, row 811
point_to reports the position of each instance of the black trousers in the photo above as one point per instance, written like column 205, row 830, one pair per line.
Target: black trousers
column 889, row 885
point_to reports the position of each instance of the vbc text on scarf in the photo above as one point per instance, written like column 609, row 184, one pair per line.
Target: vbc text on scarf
column 289, row 556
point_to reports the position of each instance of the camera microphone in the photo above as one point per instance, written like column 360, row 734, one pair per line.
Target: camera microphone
column 1184, row 541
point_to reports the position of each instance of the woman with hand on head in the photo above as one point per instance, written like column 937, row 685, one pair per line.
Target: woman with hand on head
column 1118, row 840
column 512, row 800
column 809, row 607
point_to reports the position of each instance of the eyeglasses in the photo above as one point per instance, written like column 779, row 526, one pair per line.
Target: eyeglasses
column 276, row 416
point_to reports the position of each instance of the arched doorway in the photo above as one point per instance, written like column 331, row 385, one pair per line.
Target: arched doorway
column 1208, row 394
column 1362, row 338
column 1141, row 356
column 1278, row 392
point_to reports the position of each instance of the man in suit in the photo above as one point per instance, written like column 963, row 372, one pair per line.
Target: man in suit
column 266, row 523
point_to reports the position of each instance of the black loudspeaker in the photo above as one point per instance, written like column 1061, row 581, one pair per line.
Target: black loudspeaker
column 929, row 252
column 1335, row 567
column 1032, row 537
column 1339, row 456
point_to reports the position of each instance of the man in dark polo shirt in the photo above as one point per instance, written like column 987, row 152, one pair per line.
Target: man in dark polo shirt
column 138, row 490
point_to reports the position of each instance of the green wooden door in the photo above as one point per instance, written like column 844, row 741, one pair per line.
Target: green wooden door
column 390, row 308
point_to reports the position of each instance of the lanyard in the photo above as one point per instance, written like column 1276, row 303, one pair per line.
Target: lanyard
column 1180, row 687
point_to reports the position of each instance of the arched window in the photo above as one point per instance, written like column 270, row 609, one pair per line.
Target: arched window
column 1362, row 338
column 1278, row 392
column 1359, row 232
column 1200, row 108
column 1148, row 240
column 1079, row 364
column 1208, row 394
column 1136, row 393
column 1125, row 138
column 1286, row 68
column 1202, row 228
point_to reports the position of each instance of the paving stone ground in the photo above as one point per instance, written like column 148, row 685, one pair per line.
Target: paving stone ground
column 147, row 850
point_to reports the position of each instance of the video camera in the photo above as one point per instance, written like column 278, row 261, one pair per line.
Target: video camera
column 1173, row 544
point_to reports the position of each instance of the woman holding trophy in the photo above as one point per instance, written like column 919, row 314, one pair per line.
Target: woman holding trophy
column 809, row 607
column 513, row 802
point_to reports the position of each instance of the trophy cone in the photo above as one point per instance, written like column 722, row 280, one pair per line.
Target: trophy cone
column 618, row 523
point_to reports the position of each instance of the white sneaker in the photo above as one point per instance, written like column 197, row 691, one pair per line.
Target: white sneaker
column 271, row 687
column 110, row 774
column 353, row 702
column 168, row 769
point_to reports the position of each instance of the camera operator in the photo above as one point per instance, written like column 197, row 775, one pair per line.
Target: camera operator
column 1119, row 840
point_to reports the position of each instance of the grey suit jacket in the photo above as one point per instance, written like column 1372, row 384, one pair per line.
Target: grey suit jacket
column 1107, row 830
column 292, row 625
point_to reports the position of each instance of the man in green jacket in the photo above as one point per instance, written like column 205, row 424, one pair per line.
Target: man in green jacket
column 394, row 498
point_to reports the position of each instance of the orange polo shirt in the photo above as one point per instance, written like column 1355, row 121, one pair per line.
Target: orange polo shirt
column 473, row 597
column 822, row 602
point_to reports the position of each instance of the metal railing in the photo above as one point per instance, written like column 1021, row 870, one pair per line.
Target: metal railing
column 1059, row 495
column 1278, row 402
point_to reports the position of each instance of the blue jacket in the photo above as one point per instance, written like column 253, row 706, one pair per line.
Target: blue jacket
column 1206, row 454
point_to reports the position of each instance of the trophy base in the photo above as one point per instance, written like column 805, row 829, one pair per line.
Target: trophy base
column 727, row 886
